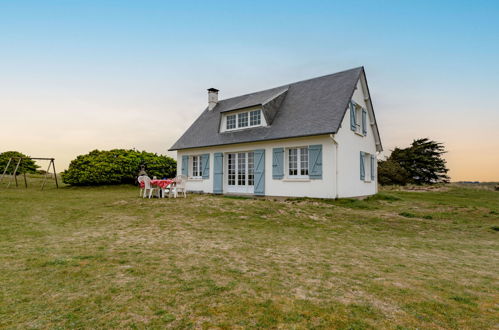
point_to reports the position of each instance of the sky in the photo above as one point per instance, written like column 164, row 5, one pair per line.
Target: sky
column 82, row 75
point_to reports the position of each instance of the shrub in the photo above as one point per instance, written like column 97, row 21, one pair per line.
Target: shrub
column 392, row 173
column 27, row 165
column 116, row 166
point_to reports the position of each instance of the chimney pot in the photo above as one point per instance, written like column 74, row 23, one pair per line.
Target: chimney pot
column 212, row 98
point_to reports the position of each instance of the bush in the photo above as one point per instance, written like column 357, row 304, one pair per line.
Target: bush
column 116, row 166
column 392, row 173
column 27, row 165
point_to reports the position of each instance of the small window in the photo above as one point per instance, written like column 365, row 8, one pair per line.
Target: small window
column 231, row 122
column 196, row 166
column 255, row 118
column 298, row 162
column 242, row 119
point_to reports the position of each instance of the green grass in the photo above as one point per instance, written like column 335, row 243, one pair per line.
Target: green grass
column 104, row 258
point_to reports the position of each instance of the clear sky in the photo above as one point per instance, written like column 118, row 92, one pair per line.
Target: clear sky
column 82, row 75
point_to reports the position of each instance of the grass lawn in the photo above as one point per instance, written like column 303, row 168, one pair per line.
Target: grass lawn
column 102, row 257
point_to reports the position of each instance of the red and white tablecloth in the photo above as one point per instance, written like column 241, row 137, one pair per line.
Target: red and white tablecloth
column 159, row 183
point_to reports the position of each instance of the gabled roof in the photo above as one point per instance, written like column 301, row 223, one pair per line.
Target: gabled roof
column 309, row 107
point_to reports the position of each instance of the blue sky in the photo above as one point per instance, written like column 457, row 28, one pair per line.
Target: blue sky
column 80, row 75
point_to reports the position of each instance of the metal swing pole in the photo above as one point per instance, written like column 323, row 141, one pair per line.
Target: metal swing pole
column 6, row 168
column 15, row 171
column 55, row 173
column 45, row 176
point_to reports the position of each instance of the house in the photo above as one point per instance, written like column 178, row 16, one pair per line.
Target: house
column 312, row 138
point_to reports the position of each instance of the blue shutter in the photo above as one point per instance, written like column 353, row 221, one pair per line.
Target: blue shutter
column 218, row 172
column 205, row 166
column 259, row 172
column 362, row 167
column 185, row 165
column 315, row 161
column 277, row 163
column 353, row 124
column 372, row 167
column 364, row 122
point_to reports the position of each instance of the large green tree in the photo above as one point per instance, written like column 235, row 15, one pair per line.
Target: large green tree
column 116, row 166
column 421, row 163
column 27, row 165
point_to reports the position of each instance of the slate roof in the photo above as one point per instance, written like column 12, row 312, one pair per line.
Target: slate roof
column 310, row 107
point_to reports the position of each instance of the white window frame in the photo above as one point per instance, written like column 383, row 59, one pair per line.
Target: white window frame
column 367, row 167
column 198, row 173
column 238, row 120
column 227, row 122
column 258, row 114
column 299, row 167
column 248, row 169
column 358, row 119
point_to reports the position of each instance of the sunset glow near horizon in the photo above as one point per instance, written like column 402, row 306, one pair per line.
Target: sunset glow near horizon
column 83, row 75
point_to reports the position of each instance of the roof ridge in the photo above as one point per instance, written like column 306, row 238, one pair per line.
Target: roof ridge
column 293, row 83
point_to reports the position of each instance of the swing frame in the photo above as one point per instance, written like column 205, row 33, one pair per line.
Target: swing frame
column 19, row 162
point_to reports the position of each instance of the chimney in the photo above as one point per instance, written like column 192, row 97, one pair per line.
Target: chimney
column 212, row 98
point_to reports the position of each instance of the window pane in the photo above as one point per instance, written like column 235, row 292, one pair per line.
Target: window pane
column 251, row 169
column 231, row 122
column 242, row 119
column 255, row 118
column 241, row 169
column 195, row 166
column 231, row 169
column 293, row 162
column 304, row 161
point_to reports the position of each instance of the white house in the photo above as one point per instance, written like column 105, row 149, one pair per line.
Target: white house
column 313, row 138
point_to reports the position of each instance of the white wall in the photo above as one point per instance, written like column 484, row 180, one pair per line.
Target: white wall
column 324, row 188
column 350, row 145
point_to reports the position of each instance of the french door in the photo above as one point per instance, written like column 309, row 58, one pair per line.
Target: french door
column 241, row 172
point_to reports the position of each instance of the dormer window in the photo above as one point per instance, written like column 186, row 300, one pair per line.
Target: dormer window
column 255, row 118
column 242, row 119
column 231, row 122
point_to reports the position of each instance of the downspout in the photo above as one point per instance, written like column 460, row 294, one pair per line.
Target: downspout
column 336, row 164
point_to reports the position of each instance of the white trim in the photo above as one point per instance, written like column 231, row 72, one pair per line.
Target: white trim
column 298, row 164
column 223, row 122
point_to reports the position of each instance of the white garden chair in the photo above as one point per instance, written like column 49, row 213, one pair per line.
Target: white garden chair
column 140, row 179
column 179, row 186
column 147, row 186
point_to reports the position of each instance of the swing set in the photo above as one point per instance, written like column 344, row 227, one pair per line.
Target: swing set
column 18, row 161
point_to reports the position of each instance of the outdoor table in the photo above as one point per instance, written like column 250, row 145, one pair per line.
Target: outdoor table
column 162, row 184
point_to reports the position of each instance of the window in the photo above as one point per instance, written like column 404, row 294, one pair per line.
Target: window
column 367, row 167
column 241, row 169
column 251, row 169
column 255, row 118
column 358, row 119
column 298, row 162
column 243, row 120
column 231, row 122
column 196, row 166
column 231, row 169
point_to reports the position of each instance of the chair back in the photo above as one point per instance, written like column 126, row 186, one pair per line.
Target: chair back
column 180, row 181
column 146, row 180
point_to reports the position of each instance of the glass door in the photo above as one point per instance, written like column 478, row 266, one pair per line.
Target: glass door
column 240, row 172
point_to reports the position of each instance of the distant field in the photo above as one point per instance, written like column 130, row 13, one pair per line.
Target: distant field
column 102, row 258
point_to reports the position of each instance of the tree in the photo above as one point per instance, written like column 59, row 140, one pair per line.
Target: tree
column 421, row 163
column 116, row 166
column 27, row 165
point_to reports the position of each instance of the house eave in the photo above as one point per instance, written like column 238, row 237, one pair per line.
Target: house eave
column 253, row 141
